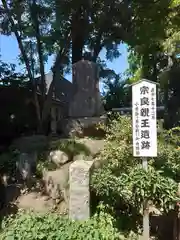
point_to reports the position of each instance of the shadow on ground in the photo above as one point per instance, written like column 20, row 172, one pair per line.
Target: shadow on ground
column 8, row 195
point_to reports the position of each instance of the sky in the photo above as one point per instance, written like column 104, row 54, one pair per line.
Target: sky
column 9, row 52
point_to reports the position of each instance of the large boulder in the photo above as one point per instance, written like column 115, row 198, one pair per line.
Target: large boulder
column 26, row 164
column 94, row 145
column 80, row 127
column 28, row 147
column 57, row 183
column 64, row 150
column 58, row 157
column 34, row 143
column 70, row 127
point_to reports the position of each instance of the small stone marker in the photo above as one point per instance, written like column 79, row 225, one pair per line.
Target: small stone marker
column 79, row 193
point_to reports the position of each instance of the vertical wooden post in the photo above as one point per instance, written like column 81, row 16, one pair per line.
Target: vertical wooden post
column 177, row 218
column 146, row 231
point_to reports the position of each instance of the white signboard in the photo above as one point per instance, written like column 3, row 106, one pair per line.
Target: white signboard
column 144, row 119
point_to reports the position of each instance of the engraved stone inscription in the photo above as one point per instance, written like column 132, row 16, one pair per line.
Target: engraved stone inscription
column 79, row 190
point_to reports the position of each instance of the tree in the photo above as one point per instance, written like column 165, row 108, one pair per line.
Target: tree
column 134, row 72
column 147, row 44
column 70, row 28
column 122, row 184
column 9, row 77
column 170, row 73
column 29, row 21
column 116, row 94
column 172, row 41
column 157, row 60
column 16, row 109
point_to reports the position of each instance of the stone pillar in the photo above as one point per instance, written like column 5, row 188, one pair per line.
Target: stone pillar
column 86, row 101
column 79, row 192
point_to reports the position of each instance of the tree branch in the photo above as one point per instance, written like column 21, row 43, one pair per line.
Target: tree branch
column 56, row 73
column 34, row 16
column 18, row 37
column 62, row 52
column 98, row 46
column 26, row 60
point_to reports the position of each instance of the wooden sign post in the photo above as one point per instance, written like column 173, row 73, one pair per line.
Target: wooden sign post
column 144, row 132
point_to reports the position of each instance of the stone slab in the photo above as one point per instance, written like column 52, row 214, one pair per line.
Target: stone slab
column 79, row 193
column 86, row 101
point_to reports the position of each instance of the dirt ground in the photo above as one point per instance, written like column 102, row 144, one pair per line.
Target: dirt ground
column 19, row 197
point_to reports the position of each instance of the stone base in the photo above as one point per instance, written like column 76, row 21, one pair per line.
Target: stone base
column 56, row 183
column 79, row 193
column 81, row 127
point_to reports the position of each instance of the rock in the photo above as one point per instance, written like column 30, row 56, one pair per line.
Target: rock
column 26, row 164
column 91, row 126
column 33, row 202
column 79, row 192
column 63, row 207
column 57, row 201
column 93, row 131
column 56, row 183
column 58, row 157
column 24, row 190
column 82, row 157
column 95, row 146
column 30, row 144
column 80, row 127
column 45, row 198
column 70, row 127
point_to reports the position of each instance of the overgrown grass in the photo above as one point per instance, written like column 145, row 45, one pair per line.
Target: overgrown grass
column 31, row 226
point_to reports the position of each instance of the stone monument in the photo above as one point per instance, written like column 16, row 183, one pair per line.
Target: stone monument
column 79, row 193
column 86, row 101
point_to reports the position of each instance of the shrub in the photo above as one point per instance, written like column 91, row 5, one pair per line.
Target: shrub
column 70, row 146
column 31, row 226
column 123, row 184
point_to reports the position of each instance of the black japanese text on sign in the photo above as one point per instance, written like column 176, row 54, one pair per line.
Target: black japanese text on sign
column 144, row 119
column 145, row 124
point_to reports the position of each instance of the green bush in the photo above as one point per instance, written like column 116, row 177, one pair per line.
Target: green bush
column 31, row 226
column 70, row 146
column 123, row 184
